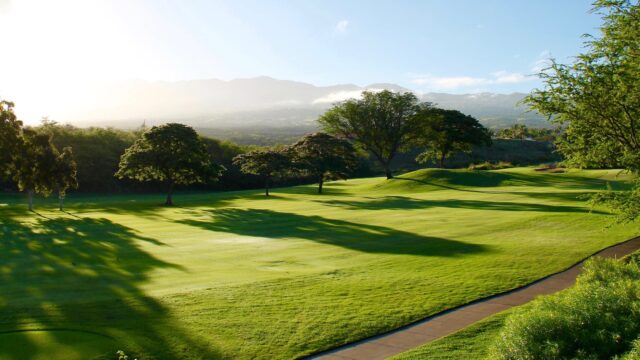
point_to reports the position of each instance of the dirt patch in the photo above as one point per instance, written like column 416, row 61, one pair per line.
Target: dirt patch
column 551, row 168
column 552, row 171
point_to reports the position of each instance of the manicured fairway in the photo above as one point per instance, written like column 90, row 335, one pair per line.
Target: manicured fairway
column 238, row 275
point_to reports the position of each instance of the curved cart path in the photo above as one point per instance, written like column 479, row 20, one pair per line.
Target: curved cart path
column 450, row 321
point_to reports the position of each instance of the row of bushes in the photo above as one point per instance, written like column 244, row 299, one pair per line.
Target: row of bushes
column 598, row 318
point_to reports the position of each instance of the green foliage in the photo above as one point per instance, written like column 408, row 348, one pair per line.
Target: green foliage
column 522, row 132
column 383, row 123
column 598, row 318
column 10, row 130
column 171, row 153
column 626, row 203
column 37, row 161
column 265, row 163
column 597, row 98
column 444, row 132
column 324, row 157
column 64, row 174
column 634, row 353
column 96, row 151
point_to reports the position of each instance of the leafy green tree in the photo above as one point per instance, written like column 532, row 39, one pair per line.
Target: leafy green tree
column 172, row 154
column 10, row 130
column 597, row 97
column 383, row 123
column 64, row 175
column 35, row 164
column 516, row 131
column 324, row 157
column 97, row 152
column 264, row 163
column 448, row 132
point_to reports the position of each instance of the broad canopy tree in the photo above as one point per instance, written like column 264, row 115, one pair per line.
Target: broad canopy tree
column 265, row 163
column 324, row 157
column 446, row 132
column 597, row 99
column 172, row 154
column 35, row 165
column 383, row 123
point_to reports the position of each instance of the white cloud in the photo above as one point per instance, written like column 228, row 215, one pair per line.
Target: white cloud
column 503, row 77
column 456, row 82
column 453, row 82
column 338, row 96
column 341, row 26
column 542, row 62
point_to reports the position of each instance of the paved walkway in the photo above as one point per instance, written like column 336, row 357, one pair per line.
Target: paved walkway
column 450, row 321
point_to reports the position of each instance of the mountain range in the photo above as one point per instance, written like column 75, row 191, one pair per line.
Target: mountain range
column 264, row 102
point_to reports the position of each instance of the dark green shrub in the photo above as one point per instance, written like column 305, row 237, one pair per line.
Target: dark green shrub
column 598, row 318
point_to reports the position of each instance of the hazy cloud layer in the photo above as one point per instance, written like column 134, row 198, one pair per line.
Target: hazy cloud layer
column 456, row 82
column 341, row 26
column 338, row 96
column 542, row 62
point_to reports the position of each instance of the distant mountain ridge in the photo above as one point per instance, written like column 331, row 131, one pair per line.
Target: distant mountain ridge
column 264, row 102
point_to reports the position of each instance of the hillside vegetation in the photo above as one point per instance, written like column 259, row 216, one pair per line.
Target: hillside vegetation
column 240, row 275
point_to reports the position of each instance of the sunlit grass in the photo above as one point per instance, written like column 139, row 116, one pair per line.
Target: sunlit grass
column 239, row 275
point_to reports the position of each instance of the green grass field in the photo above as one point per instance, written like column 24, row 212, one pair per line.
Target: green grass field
column 239, row 275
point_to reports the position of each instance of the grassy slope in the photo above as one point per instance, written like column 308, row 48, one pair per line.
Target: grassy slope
column 239, row 275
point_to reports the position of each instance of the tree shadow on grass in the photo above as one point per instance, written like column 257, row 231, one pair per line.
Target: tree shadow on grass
column 354, row 236
column 83, row 275
column 407, row 203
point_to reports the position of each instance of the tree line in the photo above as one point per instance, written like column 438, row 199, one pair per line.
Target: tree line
column 32, row 160
column 523, row 132
column 381, row 124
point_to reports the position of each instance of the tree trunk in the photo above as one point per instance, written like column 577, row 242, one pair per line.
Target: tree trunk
column 266, row 186
column 320, row 183
column 61, row 201
column 385, row 164
column 442, row 156
column 387, row 170
column 169, row 201
column 30, row 199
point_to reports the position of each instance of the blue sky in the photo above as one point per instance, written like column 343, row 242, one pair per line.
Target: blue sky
column 449, row 46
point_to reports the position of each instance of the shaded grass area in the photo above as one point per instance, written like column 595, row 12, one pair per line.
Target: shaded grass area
column 239, row 275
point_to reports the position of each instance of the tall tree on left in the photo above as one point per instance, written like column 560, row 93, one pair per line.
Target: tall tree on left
column 10, row 130
column 172, row 154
